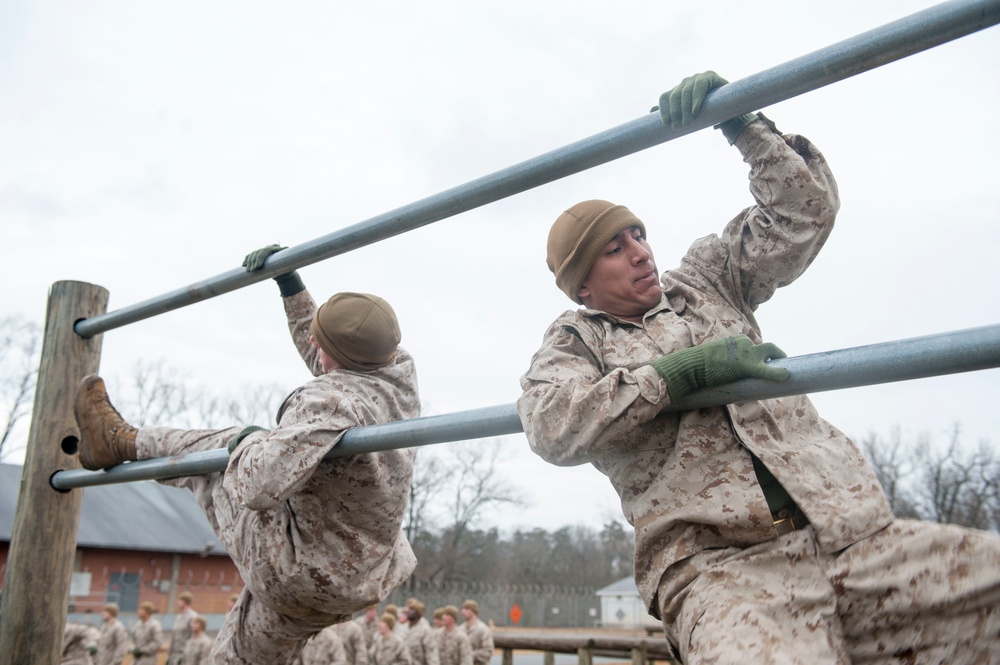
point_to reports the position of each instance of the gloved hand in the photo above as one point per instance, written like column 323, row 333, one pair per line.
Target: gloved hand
column 680, row 105
column 718, row 362
column 92, row 651
column 246, row 431
column 289, row 283
column 137, row 652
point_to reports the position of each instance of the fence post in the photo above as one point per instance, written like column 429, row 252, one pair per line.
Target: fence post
column 43, row 540
column 585, row 656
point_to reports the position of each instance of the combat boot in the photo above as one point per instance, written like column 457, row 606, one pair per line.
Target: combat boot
column 105, row 438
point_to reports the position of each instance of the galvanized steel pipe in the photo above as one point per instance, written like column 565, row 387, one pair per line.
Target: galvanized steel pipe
column 920, row 357
column 888, row 43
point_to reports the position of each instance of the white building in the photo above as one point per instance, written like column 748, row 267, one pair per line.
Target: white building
column 621, row 606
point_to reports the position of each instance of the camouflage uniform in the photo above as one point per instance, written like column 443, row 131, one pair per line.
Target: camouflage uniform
column 197, row 650
column 687, row 481
column 388, row 651
column 355, row 644
column 323, row 648
column 112, row 645
column 78, row 640
column 179, row 635
column 480, row 641
column 423, row 643
column 147, row 636
column 313, row 542
column 454, row 647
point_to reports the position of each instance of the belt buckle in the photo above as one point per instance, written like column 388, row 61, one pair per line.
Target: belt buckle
column 789, row 520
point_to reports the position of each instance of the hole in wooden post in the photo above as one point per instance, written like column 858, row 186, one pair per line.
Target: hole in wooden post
column 70, row 445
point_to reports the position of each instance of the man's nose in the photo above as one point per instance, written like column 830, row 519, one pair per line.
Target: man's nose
column 638, row 252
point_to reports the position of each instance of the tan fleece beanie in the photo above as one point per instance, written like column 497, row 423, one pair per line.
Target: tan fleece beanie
column 577, row 237
column 358, row 330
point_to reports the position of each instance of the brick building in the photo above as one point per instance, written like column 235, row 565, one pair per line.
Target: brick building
column 136, row 542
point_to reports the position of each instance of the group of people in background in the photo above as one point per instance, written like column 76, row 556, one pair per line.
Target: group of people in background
column 398, row 636
column 404, row 636
column 84, row 644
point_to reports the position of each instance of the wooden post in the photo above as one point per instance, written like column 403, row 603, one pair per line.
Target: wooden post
column 549, row 658
column 43, row 541
column 508, row 657
column 638, row 656
column 585, row 656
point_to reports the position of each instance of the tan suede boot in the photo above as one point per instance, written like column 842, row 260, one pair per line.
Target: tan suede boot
column 105, row 438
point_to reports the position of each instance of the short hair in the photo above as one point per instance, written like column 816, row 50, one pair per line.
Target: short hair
column 471, row 605
column 186, row 597
column 451, row 611
column 112, row 609
column 199, row 620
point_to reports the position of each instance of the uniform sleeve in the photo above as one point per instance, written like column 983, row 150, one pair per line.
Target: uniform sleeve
column 484, row 649
column 300, row 310
column 430, row 646
column 268, row 468
column 338, row 656
column 771, row 244
column 464, row 651
column 570, row 410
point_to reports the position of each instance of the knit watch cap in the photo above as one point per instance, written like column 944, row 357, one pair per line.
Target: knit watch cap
column 358, row 330
column 471, row 605
column 451, row 611
column 577, row 237
column 112, row 609
column 389, row 620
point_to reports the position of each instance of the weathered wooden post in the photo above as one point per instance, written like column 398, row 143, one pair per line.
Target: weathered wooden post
column 43, row 541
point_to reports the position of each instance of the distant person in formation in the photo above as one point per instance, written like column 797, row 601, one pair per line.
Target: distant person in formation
column 314, row 541
column 387, row 647
column 420, row 638
column 198, row 648
column 323, row 648
column 454, row 647
column 762, row 534
column 368, row 621
column 437, row 619
column 147, row 636
column 181, row 631
column 480, row 635
column 112, row 645
column 79, row 644
column 355, row 644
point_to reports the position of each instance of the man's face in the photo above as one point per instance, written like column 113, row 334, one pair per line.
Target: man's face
column 107, row 615
column 325, row 360
column 623, row 280
column 466, row 613
column 448, row 621
column 143, row 614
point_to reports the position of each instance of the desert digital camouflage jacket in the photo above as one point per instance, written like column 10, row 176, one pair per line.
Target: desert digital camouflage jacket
column 328, row 536
column 686, row 480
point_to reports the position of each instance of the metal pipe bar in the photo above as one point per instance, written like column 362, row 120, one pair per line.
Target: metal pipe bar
column 888, row 43
column 946, row 353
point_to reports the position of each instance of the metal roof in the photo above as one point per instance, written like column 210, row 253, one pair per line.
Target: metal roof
column 623, row 587
column 143, row 515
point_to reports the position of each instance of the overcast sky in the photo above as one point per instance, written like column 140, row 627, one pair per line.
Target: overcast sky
column 146, row 146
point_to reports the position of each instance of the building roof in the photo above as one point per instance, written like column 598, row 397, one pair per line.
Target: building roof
column 141, row 515
column 623, row 587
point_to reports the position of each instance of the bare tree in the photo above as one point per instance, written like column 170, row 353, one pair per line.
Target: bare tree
column 946, row 484
column 475, row 485
column 19, row 356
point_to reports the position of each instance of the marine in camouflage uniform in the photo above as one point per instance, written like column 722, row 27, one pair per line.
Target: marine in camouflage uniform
column 198, row 647
column 355, row 644
column 79, row 644
column 480, row 635
column 314, row 541
column 180, row 633
column 387, row 647
column 323, row 648
column 147, row 636
column 762, row 533
column 420, row 639
column 454, row 647
column 113, row 641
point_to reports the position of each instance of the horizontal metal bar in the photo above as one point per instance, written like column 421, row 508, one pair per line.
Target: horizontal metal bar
column 888, row 43
column 919, row 357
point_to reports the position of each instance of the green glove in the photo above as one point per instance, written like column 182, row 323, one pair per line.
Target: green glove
column 679, row 106
column 289, row 284
column 244, row 433
column 137, row 653
column 92, row 650
column 716, row 363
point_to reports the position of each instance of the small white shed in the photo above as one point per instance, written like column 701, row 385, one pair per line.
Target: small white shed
column 621, row 606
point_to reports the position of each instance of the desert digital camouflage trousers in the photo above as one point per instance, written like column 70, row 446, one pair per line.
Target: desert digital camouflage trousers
column 914, row 592
column 252, row 633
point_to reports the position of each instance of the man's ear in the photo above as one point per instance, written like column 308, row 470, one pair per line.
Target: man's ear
column 584, row 292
